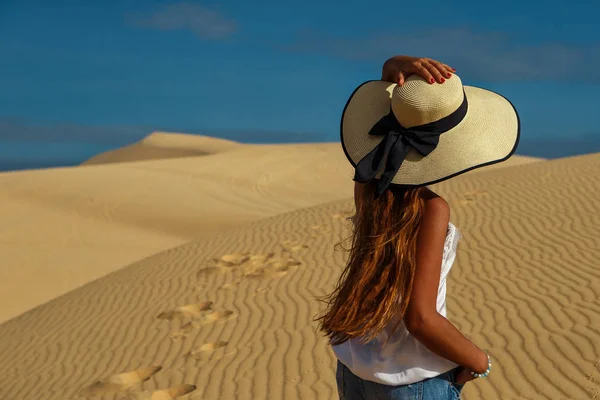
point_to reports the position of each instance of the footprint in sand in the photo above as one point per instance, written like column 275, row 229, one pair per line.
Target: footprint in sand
column 253, row 262
column 187, row 311
column 209, row 318
column 205, row 272
column 273, row 268
column 472, row 196
column 229, row 286
column 237, row 260
column 595, row 381
column 246, row 261
column 210, row 351
column 292, row 246
column 176, row 392
column 183, row 332
column 318, row 230
column 231, row 260
column 262, row 289
column 257, row 260
column 243, row 262
column 343, row 215
column 262, row 265
column 216, row 316
column 120, row 382
column 208, row 271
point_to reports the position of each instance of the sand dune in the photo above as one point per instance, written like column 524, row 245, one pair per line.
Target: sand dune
column 230, row 315
column 64, row 227
column 160, row 145
column 165, row 145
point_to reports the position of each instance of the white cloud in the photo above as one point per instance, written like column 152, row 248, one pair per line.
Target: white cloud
column 205, row 22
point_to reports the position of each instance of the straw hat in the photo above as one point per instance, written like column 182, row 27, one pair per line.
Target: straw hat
column 419, row 133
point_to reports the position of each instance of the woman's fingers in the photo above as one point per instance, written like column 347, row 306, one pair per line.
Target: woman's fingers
column 449, row 68
column 398, row 68
column 463, row 377
column 424, row 72
column 446, row 72
column 401, row 79
column 433, row 70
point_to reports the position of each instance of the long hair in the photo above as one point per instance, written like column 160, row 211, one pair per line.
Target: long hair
column 375, row 286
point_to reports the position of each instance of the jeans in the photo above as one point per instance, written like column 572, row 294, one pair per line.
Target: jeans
column 441, row 387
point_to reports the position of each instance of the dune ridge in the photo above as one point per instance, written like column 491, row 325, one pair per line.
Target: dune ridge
column 230, row 315
column 164, row 145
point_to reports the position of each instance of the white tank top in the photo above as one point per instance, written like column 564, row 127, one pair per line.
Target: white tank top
column 403, row 360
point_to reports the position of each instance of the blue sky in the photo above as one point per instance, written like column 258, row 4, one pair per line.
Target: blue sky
column 82, row 77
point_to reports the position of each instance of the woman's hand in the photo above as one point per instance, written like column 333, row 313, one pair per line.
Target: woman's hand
column 398, row 68
column 463, row 376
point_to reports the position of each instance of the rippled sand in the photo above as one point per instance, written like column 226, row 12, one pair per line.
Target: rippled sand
column 193, row 273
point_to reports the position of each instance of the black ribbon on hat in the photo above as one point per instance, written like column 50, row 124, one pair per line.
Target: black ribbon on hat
column 396, row 143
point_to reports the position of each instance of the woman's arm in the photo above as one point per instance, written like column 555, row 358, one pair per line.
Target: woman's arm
column 422, row 319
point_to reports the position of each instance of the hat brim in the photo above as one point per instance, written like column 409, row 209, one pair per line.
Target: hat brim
column 488, row 134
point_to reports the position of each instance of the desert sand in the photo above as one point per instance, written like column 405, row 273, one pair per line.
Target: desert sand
column 188, row 267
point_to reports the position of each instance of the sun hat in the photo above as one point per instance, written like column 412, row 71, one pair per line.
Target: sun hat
column 419, row 133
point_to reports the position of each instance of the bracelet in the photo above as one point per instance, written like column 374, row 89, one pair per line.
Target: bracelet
column 487, row 371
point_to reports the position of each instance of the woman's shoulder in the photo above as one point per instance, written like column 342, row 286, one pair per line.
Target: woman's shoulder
column 435, row 222
column 434, row 203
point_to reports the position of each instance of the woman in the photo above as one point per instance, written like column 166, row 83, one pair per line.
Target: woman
column 386, row 318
